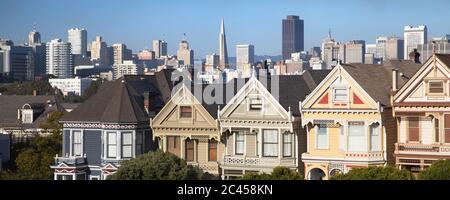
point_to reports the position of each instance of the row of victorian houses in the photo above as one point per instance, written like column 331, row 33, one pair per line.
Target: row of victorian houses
column 319, row 123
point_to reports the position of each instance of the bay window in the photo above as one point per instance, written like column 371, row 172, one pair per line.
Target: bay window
column 189, row 150
column 212, row 149
column 413, row 129
column 287, row 145
column 447, row 128
column 270, row 143
column 139, row 142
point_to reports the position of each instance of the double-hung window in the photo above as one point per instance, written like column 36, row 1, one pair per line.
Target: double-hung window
column 139, row 142
column 270, row 143
column 375, row 137
column 447, row 128
column 322, row 137
column 413, row 129
column 76, row 146
column 340, row 95
column 240, row 138
column 111, row 144
column 287, row 145
column 356, row 137
column 212, row 149
column 127, row 145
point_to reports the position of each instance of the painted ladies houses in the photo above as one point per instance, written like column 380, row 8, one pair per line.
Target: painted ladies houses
column 110, row 127
column 349, row 121
column 187, row 126
column 422, row 110
column 260, row 125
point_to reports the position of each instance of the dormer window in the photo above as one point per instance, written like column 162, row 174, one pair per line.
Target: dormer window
column 27, row 116
column 436, row 87
column 255, row 104
column 185, row 112
column 340, row 95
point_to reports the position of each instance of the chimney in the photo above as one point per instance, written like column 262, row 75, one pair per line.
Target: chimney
column 414, row 56
column 394, row 80
column 147, row 101
column 34, row 92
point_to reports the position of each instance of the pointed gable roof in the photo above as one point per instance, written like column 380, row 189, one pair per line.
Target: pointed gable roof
column 376, row 80
column 445, row 58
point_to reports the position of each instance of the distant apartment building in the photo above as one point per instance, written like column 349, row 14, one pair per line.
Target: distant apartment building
column 414, row 36
column 315, row 63
column 78, row 40
column 121, row 53
column 332, row 52
column 369, row 58
column 71, row 86
column 146, row 55
column 185, row 54
column 354, row 51
column 59, row 59
column 439, row 45
column 160, row 48
column 17, row 61
column 394, row 48
column 128, row 67
column 245, row 57
column 212, row 62
column 99, row 51
column 292, row 36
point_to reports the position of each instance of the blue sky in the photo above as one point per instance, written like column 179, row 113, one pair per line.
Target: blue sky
column 137, row 22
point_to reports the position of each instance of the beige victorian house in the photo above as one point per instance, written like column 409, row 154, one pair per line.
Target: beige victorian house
column 261, row 126
column 185, row 128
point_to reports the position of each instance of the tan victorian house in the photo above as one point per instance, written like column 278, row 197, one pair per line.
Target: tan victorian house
column 422, row 110
column 185, row 128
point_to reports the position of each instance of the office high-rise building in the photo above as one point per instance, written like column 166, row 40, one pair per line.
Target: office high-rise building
column 185, row 54
column 212, row 61
column 99, row 51
column 414, row 36
column 245, row 54
column 17, row 61
column 380, row 52
column 332, row 52
column 160, row 48
column 59, row 59
column 354, row 51
column 436, row 45
column 78, row 41
column 34, row 37
column 223, row 53
column 293, row 36
column 394, row 48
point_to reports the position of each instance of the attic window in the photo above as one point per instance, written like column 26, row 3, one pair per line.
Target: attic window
column 255, row 104
column 340, row 94
column 185, row 112
column 436, row 87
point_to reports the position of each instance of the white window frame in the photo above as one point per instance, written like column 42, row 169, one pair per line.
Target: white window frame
column 377, row 136
column 290, row 136
column 349, row 147
column 122, row 145
column 71, row 142
column 108, row 144
column 317, row 137
column 436, row 81
column 237, row 133
column 264, row 143
column 340, row 88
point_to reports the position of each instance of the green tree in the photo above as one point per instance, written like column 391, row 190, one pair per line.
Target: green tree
column 375, row 173
column 157, row 165
column 439, row 170
column 278, row 173
column 52, row 122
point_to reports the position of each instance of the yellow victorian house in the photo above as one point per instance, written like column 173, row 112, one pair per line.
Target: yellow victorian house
column 187, row 129
column 348, row 118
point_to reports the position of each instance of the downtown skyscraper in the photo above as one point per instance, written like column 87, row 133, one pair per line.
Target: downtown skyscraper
column 293, row 36
column 223, row 54
column 78, row 41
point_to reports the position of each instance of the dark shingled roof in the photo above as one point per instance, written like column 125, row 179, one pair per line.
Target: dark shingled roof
column 9, row 105
column 376, row 80
column 445, row 58
column 122, row 100
column 291, row 90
